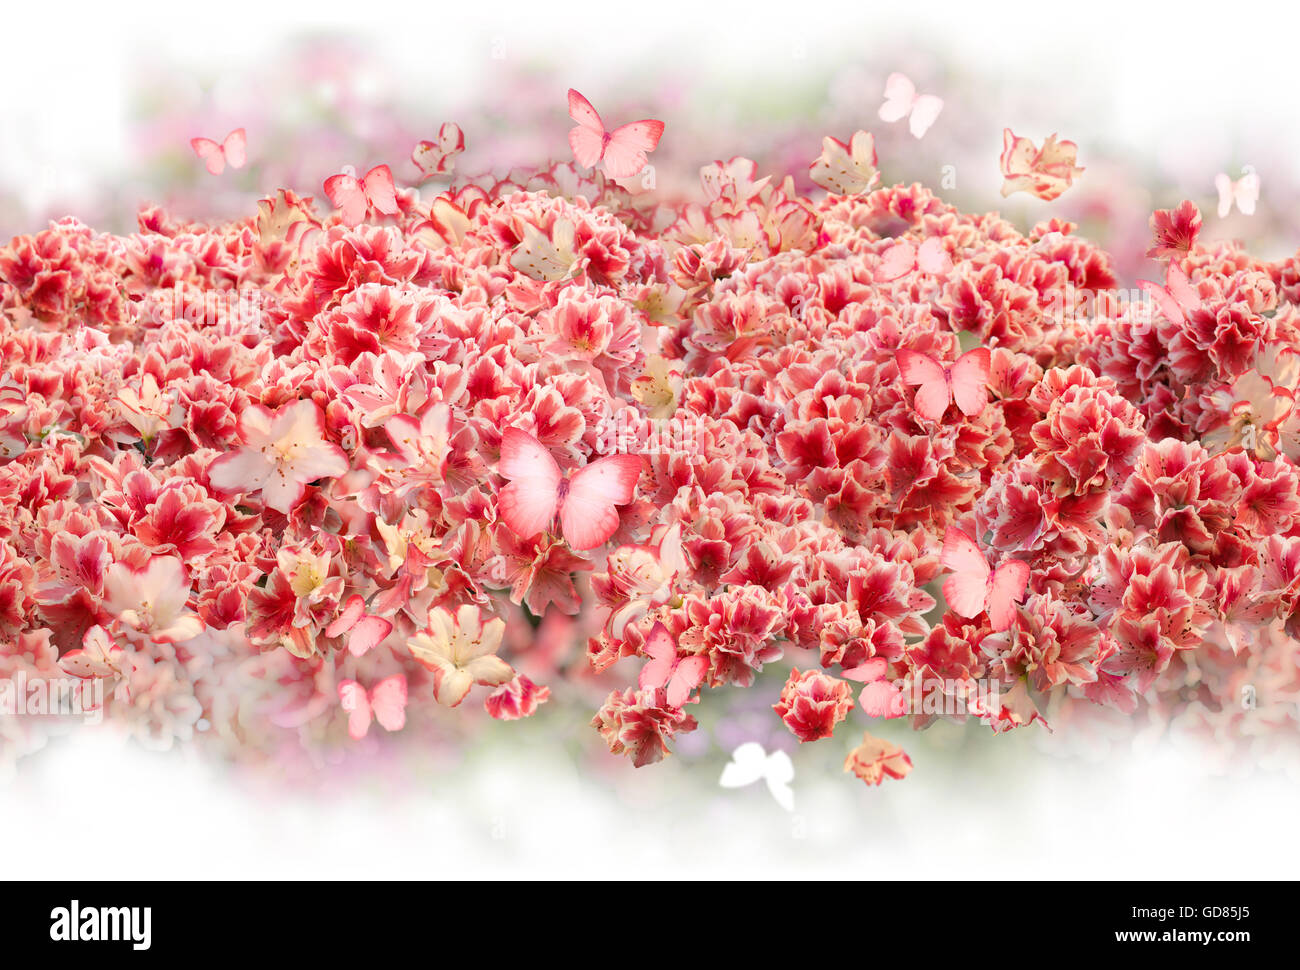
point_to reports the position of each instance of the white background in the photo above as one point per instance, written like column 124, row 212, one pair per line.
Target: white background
column 1157, row 77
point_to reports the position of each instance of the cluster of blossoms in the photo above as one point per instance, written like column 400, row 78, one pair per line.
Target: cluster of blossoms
column 249, row 482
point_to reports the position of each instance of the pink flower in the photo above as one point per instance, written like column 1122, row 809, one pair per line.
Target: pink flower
column 17, row 586
column 1175, row 231
column 1089, row 438
column 518, row 698
column 875, row 759
column 640, row 724
column 283, row 452
column 812, row 703
column 152, row 600
column 1049, row 642
column 424, row 445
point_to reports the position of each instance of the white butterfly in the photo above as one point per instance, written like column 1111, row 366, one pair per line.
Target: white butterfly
column 1244, row 191
column 750, row 762
column 901, row 100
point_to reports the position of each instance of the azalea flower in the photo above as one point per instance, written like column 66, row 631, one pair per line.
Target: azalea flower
column 13, row 416
column 152, row 600
column 98, row 657
column 812, row 703
column 1255, row 409
column 875, row 759
column 1045, row 172
column 461, row 649
column 846, row 169
column 283, row 452
column 516, row 699
column 1175, row 231
column 149, row 410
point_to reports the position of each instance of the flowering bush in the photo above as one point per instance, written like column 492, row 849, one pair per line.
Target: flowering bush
column 249, row 471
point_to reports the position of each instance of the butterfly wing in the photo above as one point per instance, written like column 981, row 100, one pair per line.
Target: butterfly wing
column 625, row 154
column 211, row 154
column 352, row 696
column 388, row 701
column 368, row 633
column 925, row 111
column 873, row 669
column 1180, row 287
column 898, row 260
column 686, row 676
column 966, row 590
column 933, row 395
column 779, row 772
column 1225, row 188
column 588, row 139
column 581, row 111
column 527, row 504
column 1246, row 192
column 900, row 92
column 353, row 610
column 661, row 649
column 1008, row 588
column 748, row 764
column 588, row 515
column 345, row 193
column 235, row 148
column 380, row 190
column 587, row 146
column 970, row 380
column 931, row 257
column 882, row 698
column 1164, row 300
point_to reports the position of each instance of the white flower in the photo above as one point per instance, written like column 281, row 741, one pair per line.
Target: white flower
column 283, row 452
column 461, row 652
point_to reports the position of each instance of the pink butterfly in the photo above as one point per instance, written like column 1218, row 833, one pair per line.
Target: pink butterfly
column 366, row 631
column 585, row 501
column 974, row 588
column 385, row 703
column 966, row 381
column 904, row 257
column 880, row 697
column 1177, row 297
column 356, row 196
column 623, row 149
column 681, row 675
column 234, row 150
column 439, row 158
column 1244, row 191
column 902, row 101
